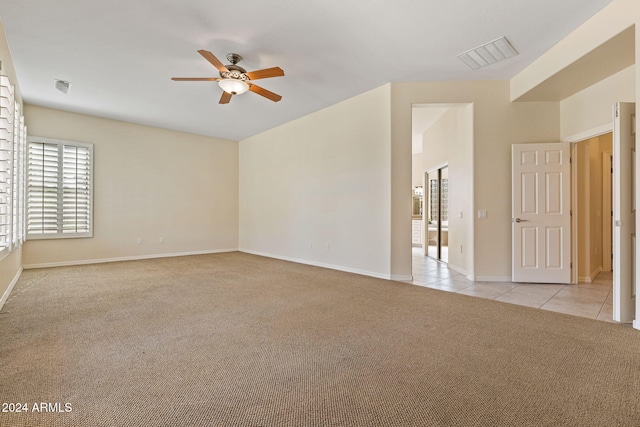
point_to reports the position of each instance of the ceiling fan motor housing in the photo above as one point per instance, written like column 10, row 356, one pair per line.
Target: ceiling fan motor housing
column 235, row 71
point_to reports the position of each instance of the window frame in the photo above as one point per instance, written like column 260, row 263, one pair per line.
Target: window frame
column 60, row 233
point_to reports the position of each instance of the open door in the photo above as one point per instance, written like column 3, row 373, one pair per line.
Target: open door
column 437, row 231
column 541, row 213
column 624, row 215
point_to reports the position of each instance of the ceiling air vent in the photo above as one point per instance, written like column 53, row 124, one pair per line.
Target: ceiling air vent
column 487, row 54
column 63, row 86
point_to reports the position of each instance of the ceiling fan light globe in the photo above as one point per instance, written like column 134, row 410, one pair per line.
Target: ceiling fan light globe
column 233, row 86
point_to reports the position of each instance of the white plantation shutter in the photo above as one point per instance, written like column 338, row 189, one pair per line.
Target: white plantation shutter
column 18, row 176
column 5, row 195
column 42, row 189
column 7, row 111
column 59, row 189
column 76, row 188
column 22, row 186
column 13, row 134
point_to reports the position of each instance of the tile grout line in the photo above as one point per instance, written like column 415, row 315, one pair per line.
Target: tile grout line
column 552, row 296
column 506, row 292
column 603, row 303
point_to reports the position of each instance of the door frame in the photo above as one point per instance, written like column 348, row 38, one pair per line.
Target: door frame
column 607, row 211
column 574, row 139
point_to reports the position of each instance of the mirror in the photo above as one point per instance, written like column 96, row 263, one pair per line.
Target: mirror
column 417, row 201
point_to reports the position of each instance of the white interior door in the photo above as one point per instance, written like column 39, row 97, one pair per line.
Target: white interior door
column 624, row 216
column 541, row 213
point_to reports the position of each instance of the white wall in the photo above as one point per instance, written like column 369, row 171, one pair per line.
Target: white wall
column 316, row 190
column 592, row 109
column 450, row 140
column 149, row 183
column 416, row 170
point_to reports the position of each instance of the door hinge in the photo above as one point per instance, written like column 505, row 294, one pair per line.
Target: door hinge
column 616, row 110
column 570, row 212
column 570, row 265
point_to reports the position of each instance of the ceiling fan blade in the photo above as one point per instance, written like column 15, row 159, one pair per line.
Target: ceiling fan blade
column 225, row 98
column 215, row 61
column 262, row 91
column 195, row 79
column 266, row 73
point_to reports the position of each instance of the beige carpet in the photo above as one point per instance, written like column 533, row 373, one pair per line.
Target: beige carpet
column 239, row 340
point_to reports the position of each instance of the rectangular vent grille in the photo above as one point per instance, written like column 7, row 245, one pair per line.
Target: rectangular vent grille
column 487, row 54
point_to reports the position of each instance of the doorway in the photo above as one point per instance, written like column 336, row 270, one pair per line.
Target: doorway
column 593, row 206
column 437, row 214
column 443, row 139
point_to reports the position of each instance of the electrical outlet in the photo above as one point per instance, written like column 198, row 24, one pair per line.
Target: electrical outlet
column 139, row 241
column 162, row 240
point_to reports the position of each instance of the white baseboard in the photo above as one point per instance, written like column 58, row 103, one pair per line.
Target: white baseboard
column 461, row 271
column 590, row 279
column 6, row 294
column 329, row 266
column 401, row 278
column 636, row 324
column 493, row 278
column 127, row 258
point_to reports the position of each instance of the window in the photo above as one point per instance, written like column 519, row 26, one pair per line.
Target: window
column 444, row 205
column 12, row 148
column 59, row 189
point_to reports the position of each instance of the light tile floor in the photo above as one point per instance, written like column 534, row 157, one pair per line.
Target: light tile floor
column 593, row 300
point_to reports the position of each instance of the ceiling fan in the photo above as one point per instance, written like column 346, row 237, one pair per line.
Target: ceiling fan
column 235, row 80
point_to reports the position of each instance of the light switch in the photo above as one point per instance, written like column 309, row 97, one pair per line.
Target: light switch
column 482, row 214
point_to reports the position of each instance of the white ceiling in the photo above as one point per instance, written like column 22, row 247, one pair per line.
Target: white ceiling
column 120, row 54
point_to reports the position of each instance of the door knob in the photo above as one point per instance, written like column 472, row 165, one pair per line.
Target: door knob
column 519, row 220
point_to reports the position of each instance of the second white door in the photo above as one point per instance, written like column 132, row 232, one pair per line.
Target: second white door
column 541, row 215
column 624, row 212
